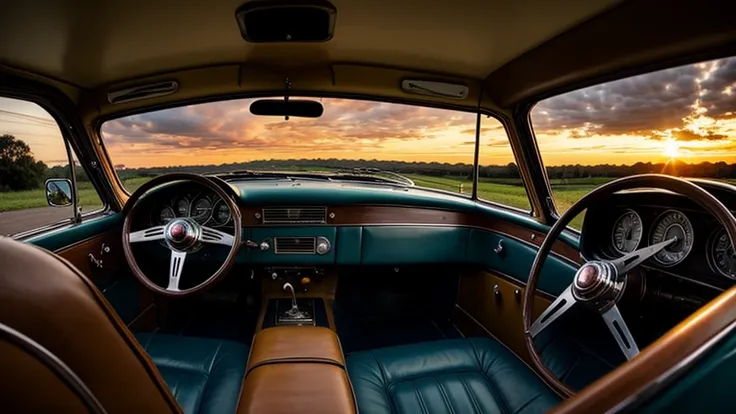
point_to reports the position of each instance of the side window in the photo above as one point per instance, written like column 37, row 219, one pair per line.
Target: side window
column 499, row 179
column 32, row 151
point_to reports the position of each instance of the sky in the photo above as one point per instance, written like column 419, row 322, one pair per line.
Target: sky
column 687, row 113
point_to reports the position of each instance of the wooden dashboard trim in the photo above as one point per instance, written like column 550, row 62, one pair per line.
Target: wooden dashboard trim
column 362, row 215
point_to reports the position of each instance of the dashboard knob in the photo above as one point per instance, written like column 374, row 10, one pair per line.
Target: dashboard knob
column 264, row 246
column 323, row 245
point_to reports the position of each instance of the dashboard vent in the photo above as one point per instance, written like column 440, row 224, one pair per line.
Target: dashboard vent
column 295, row 245
column 294, row 215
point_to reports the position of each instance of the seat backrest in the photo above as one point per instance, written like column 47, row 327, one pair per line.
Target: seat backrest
column 48, row 300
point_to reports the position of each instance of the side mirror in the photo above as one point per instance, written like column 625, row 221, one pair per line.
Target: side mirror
column 59, row 192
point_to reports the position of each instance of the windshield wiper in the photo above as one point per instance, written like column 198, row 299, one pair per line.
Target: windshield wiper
column 374, row 174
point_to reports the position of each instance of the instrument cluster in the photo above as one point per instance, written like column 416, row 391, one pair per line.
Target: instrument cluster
column 205, row 208
column 700, row 249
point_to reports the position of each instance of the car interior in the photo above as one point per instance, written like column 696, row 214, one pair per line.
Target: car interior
column 206, row 279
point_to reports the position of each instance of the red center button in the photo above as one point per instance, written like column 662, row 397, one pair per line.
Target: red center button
column 177, row 231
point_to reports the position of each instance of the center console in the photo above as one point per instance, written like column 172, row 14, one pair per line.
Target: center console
column 297, row 296
column 296, row 369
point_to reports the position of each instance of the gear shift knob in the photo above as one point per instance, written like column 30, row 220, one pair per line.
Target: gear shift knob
column 290, row 288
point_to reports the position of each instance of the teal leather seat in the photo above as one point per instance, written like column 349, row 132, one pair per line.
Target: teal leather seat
column 204, row 374
column 477, row 375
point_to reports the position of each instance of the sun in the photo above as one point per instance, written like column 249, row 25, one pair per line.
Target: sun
column 671, row 149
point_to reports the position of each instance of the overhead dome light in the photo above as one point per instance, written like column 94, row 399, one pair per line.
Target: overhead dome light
column 277, row 21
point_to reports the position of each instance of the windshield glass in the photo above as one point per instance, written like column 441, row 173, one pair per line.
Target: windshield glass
column 432, row 147
column 679, row 121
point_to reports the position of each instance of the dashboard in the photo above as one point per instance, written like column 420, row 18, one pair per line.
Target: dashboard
column 701, row 252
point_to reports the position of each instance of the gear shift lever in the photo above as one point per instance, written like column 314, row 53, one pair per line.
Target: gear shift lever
column 294, row 311
column 294, row 315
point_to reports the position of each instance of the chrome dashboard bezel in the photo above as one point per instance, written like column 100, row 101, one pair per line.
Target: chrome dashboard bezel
column 195, row 200
column 709, row 253
column 651, row 234
column 212, row 214
column 613, row 230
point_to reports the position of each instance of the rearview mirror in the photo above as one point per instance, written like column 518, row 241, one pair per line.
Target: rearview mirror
column 293, row 107
column 59, row 192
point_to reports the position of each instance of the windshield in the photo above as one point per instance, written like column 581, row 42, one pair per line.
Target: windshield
column 679, row 121
column 431, row 147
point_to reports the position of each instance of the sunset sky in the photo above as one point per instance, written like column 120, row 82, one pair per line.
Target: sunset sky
column 688, row 113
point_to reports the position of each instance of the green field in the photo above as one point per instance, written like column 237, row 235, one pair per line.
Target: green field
column 508, row 192
column 20, row 200
column 512, row 193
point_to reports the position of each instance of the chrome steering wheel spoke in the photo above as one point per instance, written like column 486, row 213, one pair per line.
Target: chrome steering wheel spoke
column 620, row 331
column 149, row 234
column 630, row 261
column 562, row 304
column 175, row 268
column 212, row 236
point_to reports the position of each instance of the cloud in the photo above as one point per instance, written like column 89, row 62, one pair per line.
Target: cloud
column 229, row 124
column 638, row 105
column 686, row 135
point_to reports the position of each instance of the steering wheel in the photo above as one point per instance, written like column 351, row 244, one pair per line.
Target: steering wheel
column 182, row 235
column 599, row 284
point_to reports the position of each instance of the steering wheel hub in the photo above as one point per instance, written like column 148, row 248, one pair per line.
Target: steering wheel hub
column 182, row 234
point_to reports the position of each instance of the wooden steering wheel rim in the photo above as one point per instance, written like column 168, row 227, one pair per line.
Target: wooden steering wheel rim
column 131, row 207
column 660, row 181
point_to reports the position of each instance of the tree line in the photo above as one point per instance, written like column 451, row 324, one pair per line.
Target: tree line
column 20, row 171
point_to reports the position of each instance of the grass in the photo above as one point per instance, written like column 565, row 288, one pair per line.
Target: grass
column 506, row 191
column 21, row 200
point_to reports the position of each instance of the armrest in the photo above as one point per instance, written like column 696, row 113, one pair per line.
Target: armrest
column 296, row 369
column 295, row 344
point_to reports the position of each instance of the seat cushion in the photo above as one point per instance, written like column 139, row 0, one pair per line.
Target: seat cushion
column 477, row 375
column 204, row 374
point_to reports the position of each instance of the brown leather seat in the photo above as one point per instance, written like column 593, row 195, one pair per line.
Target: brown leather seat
column 45, row 298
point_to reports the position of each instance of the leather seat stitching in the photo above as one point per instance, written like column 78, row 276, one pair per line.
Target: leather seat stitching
column 445, row 397
column 385, row 382
column 289, row 360
column 214, row 357
column 476, row 407
column 489, row 379
column 419, row 398
column 526, row 404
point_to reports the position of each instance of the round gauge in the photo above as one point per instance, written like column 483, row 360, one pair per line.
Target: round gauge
column 721, row 254
column 221, row 213
column 166, row 215
column 627, row 232
column 672, row 224
column 182, row 207
column 201, row 210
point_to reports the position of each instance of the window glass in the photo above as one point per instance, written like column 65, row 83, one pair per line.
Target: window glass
column 32, row 150
column 680, row 121
column 433, row 147
column 499, row 179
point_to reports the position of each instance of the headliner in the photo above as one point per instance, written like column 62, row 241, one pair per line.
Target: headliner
column 519, row 48
column 108, row 41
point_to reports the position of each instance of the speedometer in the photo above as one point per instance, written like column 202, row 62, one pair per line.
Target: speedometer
column 221, row 213
column 201, row 210
column 721, row 254
column 672, row 224
column 627, row 232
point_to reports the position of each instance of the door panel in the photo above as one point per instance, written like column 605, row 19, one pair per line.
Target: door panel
column 95, row 248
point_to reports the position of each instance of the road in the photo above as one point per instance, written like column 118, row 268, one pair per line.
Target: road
column 21, row 220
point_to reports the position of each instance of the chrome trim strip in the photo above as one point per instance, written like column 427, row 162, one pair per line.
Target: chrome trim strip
column 644, row 394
